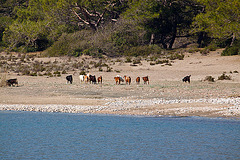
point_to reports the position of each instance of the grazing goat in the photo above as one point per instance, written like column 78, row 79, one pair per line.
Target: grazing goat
column 127, row 79
column 69, row 79
column 186, row 79
column 138, row 80
column 92, row 79
column 86, row 79
column 81, row 77
column 100, row 79
column 118, row 79
column 145, row 80
column 10, row 82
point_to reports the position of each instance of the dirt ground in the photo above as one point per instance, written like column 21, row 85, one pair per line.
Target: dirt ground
column 165, row 83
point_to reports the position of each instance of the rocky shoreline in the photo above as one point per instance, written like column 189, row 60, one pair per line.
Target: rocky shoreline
column 212, row 107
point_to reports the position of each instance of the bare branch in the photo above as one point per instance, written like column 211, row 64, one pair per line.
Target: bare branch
column 80, row 18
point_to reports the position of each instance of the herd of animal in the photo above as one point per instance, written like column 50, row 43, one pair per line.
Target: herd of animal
column 118, row 79
column 92, row 79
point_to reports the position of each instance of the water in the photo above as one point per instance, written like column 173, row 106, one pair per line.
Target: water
column 31, row 135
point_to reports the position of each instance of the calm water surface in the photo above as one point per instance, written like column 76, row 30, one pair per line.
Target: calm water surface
column 31, row 135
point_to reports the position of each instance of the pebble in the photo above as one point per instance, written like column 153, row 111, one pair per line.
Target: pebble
column 232, row 106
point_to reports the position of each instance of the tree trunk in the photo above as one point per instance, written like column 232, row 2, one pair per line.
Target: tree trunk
column 173, row 36
column 152, row 39
column 200, row 39
column 233, row 39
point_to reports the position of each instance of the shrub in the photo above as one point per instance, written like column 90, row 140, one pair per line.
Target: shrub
column 64, row 72
column 232, row 50
column 57, row 73
column 82, row 73
column 72, row 44
column 33, row 74
column 205, row 51
column 109, row 69
column 117, row 71
column 212, row 47
column 137, row 61
column 224, row 77
column 193, row 50
column 48, row 74
column 128, row 60
column 176, row 56
column 152, row 63
column 229, row 51
column 235, row 71
column 162, row 61
column 143, row 50
column 209, row 78
column 25, row 72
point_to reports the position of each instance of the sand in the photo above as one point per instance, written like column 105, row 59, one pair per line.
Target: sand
column 165, row 95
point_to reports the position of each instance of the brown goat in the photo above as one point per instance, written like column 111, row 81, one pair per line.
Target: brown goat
column 138, row 80
column 127, row 79
column 145, row 80
column 117, row 80
column 100, row 79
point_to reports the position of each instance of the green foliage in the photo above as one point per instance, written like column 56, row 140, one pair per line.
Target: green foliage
column 143, row 50
column 174, row 56
column 128, row 60
column 71, row 44
column 232, row 50
column 220, row 19
column 112, row 28
column 164, row 19
column 82, row 73
column 212, row 47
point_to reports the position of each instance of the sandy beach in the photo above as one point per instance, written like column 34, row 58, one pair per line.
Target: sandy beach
column 165, row 95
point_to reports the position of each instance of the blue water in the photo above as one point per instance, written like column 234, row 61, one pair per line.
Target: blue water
column 31, row 135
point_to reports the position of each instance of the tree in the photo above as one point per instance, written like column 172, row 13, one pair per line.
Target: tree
column 164, row 20
column 7, row 14
column 94, row 12
column 221, row 19
column 39, row 23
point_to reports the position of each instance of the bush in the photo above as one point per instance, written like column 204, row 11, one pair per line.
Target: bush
column 229, row 51
column 224, row 77
column 57, row 73
column 176, row 56
column 209, row 78
column 72, row 44
column 33, row 74
column 162, row 61
column 143, row 50
column 212, row 47
column 128, row 60
column 205, row 51
column 232, row 50
column 82, row 73
column 137, row 61
column 64, row 72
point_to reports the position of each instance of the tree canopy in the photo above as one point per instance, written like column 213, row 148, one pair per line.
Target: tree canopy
column 113, row 26
column 221, row 19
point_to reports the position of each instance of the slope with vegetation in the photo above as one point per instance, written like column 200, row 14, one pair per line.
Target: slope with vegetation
column 118, row 27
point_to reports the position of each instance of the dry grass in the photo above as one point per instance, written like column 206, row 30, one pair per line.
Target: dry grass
column 3, row 78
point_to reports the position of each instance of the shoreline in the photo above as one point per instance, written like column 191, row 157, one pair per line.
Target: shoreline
column 212, row 107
